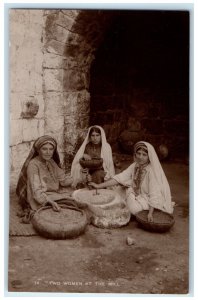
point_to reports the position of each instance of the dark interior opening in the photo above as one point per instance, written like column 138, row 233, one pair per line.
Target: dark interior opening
column 139, row 81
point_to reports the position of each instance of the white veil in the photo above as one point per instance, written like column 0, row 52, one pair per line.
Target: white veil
column 160, row 178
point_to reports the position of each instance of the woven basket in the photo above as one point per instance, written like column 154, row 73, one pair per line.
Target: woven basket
column 92, row 164
column 162, row 221
column 70, row 222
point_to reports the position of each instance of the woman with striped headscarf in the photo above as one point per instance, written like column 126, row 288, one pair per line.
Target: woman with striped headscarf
column 144, row 184
column 41, row 176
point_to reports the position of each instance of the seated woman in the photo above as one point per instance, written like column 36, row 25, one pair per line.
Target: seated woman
column 144, row 182
column 94, row 146
column 41, row 177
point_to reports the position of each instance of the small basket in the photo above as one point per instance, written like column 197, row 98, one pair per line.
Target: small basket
column 162, row 221
column 70, row 222
column 92, row 164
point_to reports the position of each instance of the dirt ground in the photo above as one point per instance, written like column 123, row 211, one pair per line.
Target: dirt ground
column 100, row 261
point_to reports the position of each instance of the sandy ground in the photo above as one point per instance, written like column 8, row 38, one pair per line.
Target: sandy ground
column 100, row 261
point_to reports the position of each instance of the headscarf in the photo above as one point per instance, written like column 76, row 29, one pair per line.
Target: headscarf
column 159, row 175
column 106, row 154
column 21, row 189
column 140, row 145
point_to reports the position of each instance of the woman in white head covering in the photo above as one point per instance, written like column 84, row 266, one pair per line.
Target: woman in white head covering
column 94, row 146
column 144, row 181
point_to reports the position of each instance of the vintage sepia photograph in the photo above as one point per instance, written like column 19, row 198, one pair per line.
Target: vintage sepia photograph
column 99, row 104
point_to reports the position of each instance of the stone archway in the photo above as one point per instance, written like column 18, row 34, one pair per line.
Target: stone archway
column 51, row 54
column 70, row 40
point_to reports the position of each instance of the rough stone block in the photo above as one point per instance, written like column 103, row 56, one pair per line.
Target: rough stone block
column 30, row 129
column 56, row 47
column 41, row 103
column 58, row 33
column 75, row 39
column 26, row 69
column 73, row 80
column 54, row 125
column 25, row 39
column 16, row 104
column 77, row 102
column 52, row 61
column 53, row 79
column 71, row 13
column 41, row 127
column 16, row 132
column 64, row 21
column 54, row 105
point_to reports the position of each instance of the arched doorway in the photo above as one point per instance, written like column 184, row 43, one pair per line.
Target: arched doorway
column 138, row 80
column 71, row 39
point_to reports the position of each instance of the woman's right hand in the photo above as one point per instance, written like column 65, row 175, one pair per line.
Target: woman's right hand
column 54, row 205
column 93, row 184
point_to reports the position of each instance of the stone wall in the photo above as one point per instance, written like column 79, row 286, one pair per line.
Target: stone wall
column 51, row 52
column 51, row 55
column 48, row 90
column 26, row 85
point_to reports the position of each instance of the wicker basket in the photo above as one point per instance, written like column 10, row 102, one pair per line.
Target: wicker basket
column 70, row 222
column 92, row 164
column 162, row 221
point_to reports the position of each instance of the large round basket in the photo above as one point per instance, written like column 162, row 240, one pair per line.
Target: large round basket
column 92, row 164
column 162, row 221
column 70, row 222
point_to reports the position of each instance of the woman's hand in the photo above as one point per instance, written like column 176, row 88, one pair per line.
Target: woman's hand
column 86, row 157
column 54, row 205
column 129, row 191
column 89, row 178
column 94, row 185
column 85, row 171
